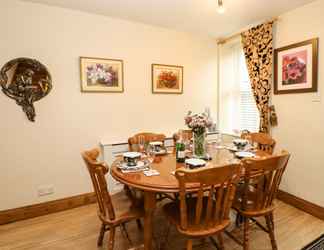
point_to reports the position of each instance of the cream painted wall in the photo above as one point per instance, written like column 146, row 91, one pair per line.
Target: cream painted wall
column 301, row 116
column 68, row 121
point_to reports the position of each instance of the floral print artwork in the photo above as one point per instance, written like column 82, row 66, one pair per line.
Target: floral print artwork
column 167, row 79
column 102, row 74
column 294, row 68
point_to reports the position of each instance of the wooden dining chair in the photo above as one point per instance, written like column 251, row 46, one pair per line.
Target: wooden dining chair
column 133, row 146
column 255, row 197
column 203, row 216
column 263, row 141
column 148, row 137
column 187, row 133
column 109, row 216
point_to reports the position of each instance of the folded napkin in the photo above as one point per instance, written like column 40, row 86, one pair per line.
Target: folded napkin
column 151, row 172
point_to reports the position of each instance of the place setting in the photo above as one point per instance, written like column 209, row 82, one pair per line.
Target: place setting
column 134, row 162
column 158, row 148
column 241, row 148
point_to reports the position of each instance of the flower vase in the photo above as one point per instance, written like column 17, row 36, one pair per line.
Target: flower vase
column 199, row 149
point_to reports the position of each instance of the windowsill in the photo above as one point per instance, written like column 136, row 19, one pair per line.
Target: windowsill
column 230, row 134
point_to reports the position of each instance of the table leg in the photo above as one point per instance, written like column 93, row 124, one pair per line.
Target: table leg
column 149, row 204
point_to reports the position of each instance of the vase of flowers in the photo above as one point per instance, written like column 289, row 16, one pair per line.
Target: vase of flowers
column 198, row 123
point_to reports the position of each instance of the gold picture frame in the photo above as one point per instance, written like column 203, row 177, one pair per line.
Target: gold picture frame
column 167, row 79
column 101, row 75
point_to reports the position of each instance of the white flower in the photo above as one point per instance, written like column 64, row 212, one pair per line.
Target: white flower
column 198, row 121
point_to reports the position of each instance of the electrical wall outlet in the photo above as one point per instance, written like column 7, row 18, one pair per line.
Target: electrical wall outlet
column 45, row 190
column 316, row 97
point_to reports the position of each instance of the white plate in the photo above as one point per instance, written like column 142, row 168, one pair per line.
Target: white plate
column 151, row 172
column 156, row 143
column 140, row 164
column 195, row 162
column 243, row 154
column 240, row 141
column 132, row 154
column 161, row 152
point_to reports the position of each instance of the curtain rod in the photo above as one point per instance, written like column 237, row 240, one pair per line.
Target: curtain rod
column 226, row 39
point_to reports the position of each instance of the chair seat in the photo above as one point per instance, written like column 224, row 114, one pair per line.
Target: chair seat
column 172, row 212
column 251, row 197
column 126, row 210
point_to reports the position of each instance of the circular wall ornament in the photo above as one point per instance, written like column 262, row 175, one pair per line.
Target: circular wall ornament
column 26, row 81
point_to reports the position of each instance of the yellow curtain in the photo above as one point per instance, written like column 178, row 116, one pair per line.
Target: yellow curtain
column 258, row 50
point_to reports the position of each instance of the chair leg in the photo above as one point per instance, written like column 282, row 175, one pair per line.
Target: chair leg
column 203, row 241
column 220, row 241
column 139, row 224
column 111, row 240
column 128, row 192
column 238, row 220
column 125, row 233
column 101, row 235
column 189, row 244
column 165, row 241
column 271, row 232
column 272, row 221
column 246, row 234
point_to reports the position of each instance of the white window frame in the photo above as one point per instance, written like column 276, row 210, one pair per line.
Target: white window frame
column 230, row 44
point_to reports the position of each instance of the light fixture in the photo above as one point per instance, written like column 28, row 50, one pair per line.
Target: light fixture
column 221, row 9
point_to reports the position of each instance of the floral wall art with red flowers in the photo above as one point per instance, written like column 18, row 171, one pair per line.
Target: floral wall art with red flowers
column 167, row 79
column 296, row 68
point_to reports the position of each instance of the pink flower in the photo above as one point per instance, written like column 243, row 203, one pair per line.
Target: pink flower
column 198, row 121
column 293, row 70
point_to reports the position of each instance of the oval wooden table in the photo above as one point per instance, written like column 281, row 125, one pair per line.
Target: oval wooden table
column 166, row 181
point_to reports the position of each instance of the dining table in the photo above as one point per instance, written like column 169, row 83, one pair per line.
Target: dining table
column 166, row 182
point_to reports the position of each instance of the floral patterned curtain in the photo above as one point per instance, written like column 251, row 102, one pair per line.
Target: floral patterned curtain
column 258, row 50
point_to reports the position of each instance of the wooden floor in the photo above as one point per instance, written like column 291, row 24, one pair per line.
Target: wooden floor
column 78, row 229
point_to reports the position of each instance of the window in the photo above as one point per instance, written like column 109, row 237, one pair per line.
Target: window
column 237, row 107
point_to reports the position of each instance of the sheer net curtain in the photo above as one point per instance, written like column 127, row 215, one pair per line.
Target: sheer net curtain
column 237, row 107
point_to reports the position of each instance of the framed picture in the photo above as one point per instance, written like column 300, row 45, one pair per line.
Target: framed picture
column 167, row 79
column 296, row 68
column 101, row 75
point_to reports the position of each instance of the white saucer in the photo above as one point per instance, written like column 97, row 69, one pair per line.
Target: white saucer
column 156, row 143
column 132, row 154
column 240, row 141
column 161, row 152
column 195, row 162
column 140, row 166
column 243, row 154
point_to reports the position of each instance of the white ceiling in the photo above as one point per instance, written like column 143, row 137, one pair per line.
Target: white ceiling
column 198, row 16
